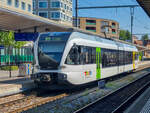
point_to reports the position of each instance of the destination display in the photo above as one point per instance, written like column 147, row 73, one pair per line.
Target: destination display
column 53, row 39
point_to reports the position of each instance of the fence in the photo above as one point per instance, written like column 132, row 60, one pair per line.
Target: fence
column 15, row 56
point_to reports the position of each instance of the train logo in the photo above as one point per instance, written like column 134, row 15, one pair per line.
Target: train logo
column 88, row 73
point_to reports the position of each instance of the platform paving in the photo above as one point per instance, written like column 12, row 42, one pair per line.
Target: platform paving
column 141, row 105
column 15, row 84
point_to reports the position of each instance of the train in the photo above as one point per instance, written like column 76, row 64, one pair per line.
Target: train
column 70, row 59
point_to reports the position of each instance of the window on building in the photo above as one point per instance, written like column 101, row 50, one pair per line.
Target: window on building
column 23, row 5
column 43, row 4
column 93, row 29
column 34, row 12
column 55, row 15
column 61, row 4
column 65, row 6
column 90, row 22
column 17, row 3
column 70, row 9
column 56, row 4
column 113, row 31
column 104, row 23
column 9, row 2
column 29, row 7
column 113, row 25
column 70, row 19
column 43, row 14
column 67, row 18
column 34, row 5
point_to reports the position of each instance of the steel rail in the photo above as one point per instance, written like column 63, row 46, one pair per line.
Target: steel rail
column 131, row 99
column 91, row 105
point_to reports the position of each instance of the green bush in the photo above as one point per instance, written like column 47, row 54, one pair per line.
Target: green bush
column 6, row 68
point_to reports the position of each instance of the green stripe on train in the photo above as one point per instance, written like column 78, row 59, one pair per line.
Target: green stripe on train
column 98, row 61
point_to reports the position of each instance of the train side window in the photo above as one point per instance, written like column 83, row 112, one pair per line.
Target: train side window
column 104, row 58
column 73, row 57
column 89, row 55
column 93, row 60
column 109, row 57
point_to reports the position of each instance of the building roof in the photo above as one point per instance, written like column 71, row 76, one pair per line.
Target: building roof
column 12, row 19
column 145, row 4
column 98, row 18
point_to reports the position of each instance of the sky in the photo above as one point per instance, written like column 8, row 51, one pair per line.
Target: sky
column 141, row 22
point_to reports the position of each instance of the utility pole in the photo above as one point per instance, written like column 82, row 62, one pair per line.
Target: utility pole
column 76, row 15
column 132, row 17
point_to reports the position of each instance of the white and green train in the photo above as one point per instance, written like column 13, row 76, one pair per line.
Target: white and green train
column 70, row 59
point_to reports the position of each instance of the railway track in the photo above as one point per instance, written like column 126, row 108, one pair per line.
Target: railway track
column 119, row 100
column 28, row 102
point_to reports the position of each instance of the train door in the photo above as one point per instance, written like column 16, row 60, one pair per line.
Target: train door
column 121, row 65
column 98, row 62
column 134, row 59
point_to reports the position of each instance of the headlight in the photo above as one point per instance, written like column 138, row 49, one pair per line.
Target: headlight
column 62, row 76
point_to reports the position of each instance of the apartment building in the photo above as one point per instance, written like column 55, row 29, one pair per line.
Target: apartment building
column 58, row 10
column 104, row 27
column 18, row 5
column 147, row 52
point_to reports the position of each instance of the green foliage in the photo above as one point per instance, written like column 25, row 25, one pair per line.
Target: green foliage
column 7, row 39
column 125, row 35
column 128, row 35
column 144, row 39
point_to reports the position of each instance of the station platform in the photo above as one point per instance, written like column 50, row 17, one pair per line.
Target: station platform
column 15, row 84
column 143, row 63
column 141, row 105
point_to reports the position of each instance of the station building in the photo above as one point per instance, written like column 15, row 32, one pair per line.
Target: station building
column 18, row 5
column 58, row 10
column 104, row 27
column 137, row 41
column 147, row 52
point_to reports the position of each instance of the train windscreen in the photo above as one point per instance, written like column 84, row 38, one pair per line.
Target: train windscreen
column 50, row 49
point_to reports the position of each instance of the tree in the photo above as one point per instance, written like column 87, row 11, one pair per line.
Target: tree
column 128, row 35
column 144, row 39
column 122, row 34
column 125, row 35
column 7, row 39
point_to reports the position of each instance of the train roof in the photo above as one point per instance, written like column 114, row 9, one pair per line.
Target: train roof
column 104, row 41
column 95, row 38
